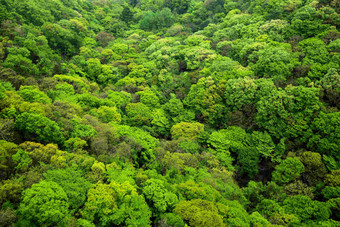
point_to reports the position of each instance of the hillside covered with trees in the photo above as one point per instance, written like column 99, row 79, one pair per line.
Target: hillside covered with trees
column 175, row 113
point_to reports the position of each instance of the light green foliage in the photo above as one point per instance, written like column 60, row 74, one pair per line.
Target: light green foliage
column 121, row 174
column 88, row 101
column 121, row 98
column 187, row 131
column 240, row 92
column 138, row 114
column 192, row 190
column 244, row 91
column 317, row 57
column 326, row 134
column 274, row 28
column 169, row 113
column 199, row 212
column 141, row 136
column 274, row 62
column 225, row 141
column 62, row 91
column 39, row 152
column 18, row 60
column 305, row 208
column 172, row 219
column 205, row 98
column 231, row 138
column 288, row 113
column 235, row 212
column 39, row 128
column 160, row 122
column 275, row 213
column 158, row 196
column 148, row 98
column 46, row 202
column 288, row 170
column 82, row 131
column 144, row 143
column 75, row 144
column 197, row 56
column 179, row 161
column 258, row 220
column 94, row 68
column 264, row 145
column 31, row 94
column 107, row 114
column 189, row 147
column 274, row 8
column 85, row 223
column 225, row 68
column 22, row 159
column 79, row 84
column 72, row 182
column 98, row 169
column 174, row 108
column 116, row 204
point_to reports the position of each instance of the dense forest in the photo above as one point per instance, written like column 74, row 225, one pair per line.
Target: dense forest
column 171, row 113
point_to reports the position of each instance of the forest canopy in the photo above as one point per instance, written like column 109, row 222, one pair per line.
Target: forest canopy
column 169, row 113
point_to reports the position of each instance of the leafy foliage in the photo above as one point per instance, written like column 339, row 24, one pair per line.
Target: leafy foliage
column 169, row 113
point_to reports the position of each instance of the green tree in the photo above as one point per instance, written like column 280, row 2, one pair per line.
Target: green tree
column 179, row 6
column 187, row 131
column 18, row 60
column 160, row 122
column 305, row 208
column 205, row 98
column 7, row 149
column 315, row 169
column 192, row 190
column 148, row 98
column 199, row 212
column 288, row 170
column 274, row 62
column 127, row 14
column 22, row 159
column 72, row 182
column 45, row 203
column 107, row 114
column 288, row 113
column 116, row 204
column 31, row 94
column 158, row 197
column 138, row 114
column 325, row 138
column 39, row 128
